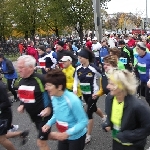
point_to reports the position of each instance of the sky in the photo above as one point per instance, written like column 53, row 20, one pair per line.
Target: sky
column 127, row 6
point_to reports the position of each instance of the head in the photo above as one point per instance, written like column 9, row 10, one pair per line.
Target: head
column 104, row 43
column 121, row 82
column 85, row 56
column 141, row 48
column 31, row 43
column 110, row 62
column 115, row 51
column 55, row 82
column 59, row 45
column 66, row 61
column 121, row 43
column 1, row 57
column 25, row 65
column 138, row 40
column 130, row 36
column 48, row 48
column 41, row 50
column 94, row 40
column 88, row 39
column 69, row 46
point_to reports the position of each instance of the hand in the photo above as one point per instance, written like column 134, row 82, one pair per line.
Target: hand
column 45, row 112
column 130, row 64
column 58, row 136
column 45, row 128
column 94, row 96
column 108, row 129
column 20, row 109
column 47, row 69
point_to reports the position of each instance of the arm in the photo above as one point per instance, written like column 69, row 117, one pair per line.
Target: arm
column 75, row 84
column 10, row 68
column 52, row 120
column 100, row 92
column 80, row 117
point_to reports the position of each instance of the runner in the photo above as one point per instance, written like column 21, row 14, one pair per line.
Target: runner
column 6, row 121
column 126, row 115
column 10, row 74
column 69, row 115
column 34, row 99
column 86, row 73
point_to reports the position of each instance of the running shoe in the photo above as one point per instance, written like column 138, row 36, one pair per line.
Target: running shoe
column 24, row 136
column 87, row 139
column 13, row 128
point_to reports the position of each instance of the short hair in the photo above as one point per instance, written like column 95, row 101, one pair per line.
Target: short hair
column 111, row 59
column 124, row 79
column 56, row 77
column 115, row 51
column 28, row 60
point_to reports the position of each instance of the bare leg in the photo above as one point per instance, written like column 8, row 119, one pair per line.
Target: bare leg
column 6, row 143
column 42, row 145
column 99, row 112
column 13, row 134
column 90, row 126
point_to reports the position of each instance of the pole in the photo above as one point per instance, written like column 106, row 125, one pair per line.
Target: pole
column 146, row 15
column 99, row 20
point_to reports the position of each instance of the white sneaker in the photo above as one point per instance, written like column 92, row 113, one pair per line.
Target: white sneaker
column 87, row 139
column 15, row 128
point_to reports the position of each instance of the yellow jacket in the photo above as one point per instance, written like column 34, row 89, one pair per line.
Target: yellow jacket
column 69, row 77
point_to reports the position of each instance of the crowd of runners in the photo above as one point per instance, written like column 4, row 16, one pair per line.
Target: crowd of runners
column 61, row 81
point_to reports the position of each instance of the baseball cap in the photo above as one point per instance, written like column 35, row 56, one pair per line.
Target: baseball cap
column 66, row 58
column 94, row 39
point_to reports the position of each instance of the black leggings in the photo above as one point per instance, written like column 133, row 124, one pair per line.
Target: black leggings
column 145, row 91
column 91, row 105
column 10, row 84
column 77, row 144
column 119, row 146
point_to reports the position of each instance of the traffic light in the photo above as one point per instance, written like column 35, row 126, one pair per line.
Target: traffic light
column 145, row 25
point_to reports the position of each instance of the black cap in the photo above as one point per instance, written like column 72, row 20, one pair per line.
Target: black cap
column 61, row 43
column 121, row 42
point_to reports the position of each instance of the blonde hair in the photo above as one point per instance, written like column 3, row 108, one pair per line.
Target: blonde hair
column 124, row 80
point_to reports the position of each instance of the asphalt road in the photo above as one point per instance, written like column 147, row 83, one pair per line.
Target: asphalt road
column 100, row 139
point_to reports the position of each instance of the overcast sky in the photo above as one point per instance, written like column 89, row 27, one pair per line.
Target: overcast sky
column 133, row 6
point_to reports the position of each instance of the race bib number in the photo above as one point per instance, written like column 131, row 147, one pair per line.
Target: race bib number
column 61, row 126
column 85, row 88
column 142, row 68
column 26, row 94
column 123, row 60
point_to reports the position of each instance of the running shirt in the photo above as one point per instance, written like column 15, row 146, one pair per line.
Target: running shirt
column 33, row 96
column 143, row 67
column 87, row 77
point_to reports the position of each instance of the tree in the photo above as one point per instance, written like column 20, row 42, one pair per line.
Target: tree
column 121, row 21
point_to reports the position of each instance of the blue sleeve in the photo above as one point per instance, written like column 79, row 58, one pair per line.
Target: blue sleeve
column 79, row 115
column 51, row 121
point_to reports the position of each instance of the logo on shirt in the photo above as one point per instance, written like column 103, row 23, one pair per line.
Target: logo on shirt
column 79, row 73
column 89, row 75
